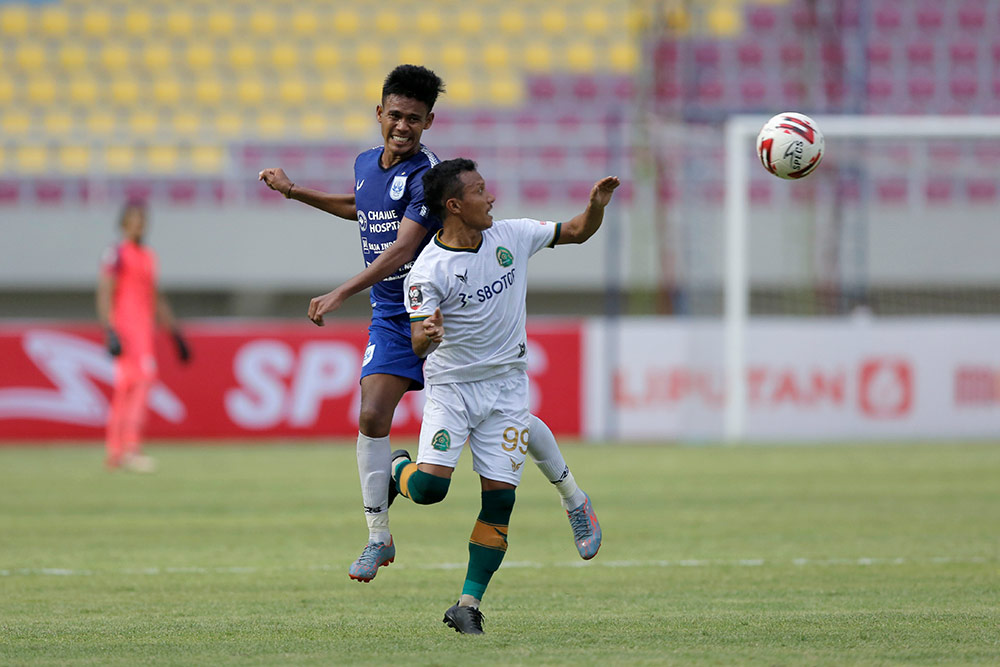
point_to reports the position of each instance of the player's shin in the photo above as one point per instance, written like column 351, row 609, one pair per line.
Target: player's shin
column 488, row 543
column 373, row 470
column 544, row 451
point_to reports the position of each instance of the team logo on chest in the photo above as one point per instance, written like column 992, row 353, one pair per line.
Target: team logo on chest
column 505, row 257
column 398, row 187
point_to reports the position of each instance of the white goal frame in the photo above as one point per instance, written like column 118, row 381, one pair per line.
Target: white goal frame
column 740, row 136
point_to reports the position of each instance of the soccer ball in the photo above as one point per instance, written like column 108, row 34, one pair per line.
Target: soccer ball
column 790, row 145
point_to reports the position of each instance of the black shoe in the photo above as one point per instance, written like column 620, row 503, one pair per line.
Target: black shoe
column 393, row 489
column 467, row 620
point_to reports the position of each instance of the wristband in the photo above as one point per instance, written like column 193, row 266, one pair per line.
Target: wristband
column 288, row 193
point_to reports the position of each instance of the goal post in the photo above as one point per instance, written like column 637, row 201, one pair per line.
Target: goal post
column 739, row 154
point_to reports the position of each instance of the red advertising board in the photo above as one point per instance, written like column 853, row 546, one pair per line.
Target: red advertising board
column 246, row 379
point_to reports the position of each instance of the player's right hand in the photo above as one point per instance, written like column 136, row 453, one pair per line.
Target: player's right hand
column 321, row 305
column 434, row 327
column 113, row 343
column 275, row 178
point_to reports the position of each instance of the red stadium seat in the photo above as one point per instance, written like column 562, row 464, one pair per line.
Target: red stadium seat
column 891, row 190
column 792, row 52
column 964, row 53
column 930, row 16
column 761, row 192
column 750, row 53
column 793, row 92
column 753, row 92
column 585, row 88
column 10, row 193
column 938, row 191
column 666, row 192
column 879, row 52
column 920, row 53
column 761, row 17
column 963, row 87
column 921, row 87
column 596, row 156
column 552, row 157
column 535, row 192
column 667, row 91
column 880, row 89
column 832, row 53
column 50, row 192
column 972, row 16
column 706, row 53
column 665, row 54
column 803, row 18
column 623, row 88
column 981, row 190
column 836, row 91
column 710, row 91
column 182, row 193
column 541, row 89
column 888, row 16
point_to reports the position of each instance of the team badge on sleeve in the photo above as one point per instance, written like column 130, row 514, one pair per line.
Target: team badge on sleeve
column 397, row 188
column 416, row 297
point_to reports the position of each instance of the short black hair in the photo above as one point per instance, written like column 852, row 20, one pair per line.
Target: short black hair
column 415, row 82
column 443, row 182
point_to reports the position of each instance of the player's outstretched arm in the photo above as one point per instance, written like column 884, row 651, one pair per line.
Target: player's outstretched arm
column 341, row 206
column 427, row 334
column 583, row 226
column 402, row 250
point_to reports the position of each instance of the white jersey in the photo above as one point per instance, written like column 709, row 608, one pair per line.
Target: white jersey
column 481, row 293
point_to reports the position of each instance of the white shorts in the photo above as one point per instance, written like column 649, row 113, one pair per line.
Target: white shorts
column 492, row 414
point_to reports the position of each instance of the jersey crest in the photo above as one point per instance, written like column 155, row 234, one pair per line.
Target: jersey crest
column 504, row 257
column 398, row 187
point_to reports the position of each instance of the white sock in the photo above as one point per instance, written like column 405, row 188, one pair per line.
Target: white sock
column 544, row 451
column 468, row 601
column 373, row 469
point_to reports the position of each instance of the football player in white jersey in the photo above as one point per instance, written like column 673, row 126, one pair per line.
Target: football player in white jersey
column 389, row 367
column 466, row 298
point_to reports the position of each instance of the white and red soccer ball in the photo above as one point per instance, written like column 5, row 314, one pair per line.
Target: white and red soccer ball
column 790, row 145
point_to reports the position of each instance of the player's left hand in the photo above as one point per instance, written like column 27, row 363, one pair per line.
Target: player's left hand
column 600, row 194
column 183, row 351
column 434, row 327
column 276, row 179
column 321, row 305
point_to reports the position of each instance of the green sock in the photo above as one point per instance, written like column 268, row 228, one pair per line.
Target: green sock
column 488, row 543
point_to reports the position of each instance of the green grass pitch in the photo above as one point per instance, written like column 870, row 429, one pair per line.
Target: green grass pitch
column 765, row 555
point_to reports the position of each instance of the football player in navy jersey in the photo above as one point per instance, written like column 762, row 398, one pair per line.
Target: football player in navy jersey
column 395, row 225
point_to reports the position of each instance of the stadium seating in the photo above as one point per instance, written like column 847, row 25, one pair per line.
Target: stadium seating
column 156, row 89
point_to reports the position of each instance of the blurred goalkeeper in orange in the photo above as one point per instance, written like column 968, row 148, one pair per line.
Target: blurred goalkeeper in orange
column 128, row 307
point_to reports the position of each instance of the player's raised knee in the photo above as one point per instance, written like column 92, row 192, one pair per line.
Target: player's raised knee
column 426, row 489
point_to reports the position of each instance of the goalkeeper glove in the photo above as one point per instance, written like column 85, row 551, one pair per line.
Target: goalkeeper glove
column 183, row 351
column 112, row 342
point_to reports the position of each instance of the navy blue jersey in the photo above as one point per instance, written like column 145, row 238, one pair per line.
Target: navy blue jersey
column 383, row 197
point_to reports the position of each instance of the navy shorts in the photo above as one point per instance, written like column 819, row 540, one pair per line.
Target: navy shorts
column 390, row 351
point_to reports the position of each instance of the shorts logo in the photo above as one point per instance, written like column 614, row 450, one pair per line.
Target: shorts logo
column 505, row 257
column 416, row 297
column 441, row 441
column 397, row 188
column 369, row 353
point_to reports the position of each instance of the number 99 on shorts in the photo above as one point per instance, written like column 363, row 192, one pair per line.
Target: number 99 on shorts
column 515, row 439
